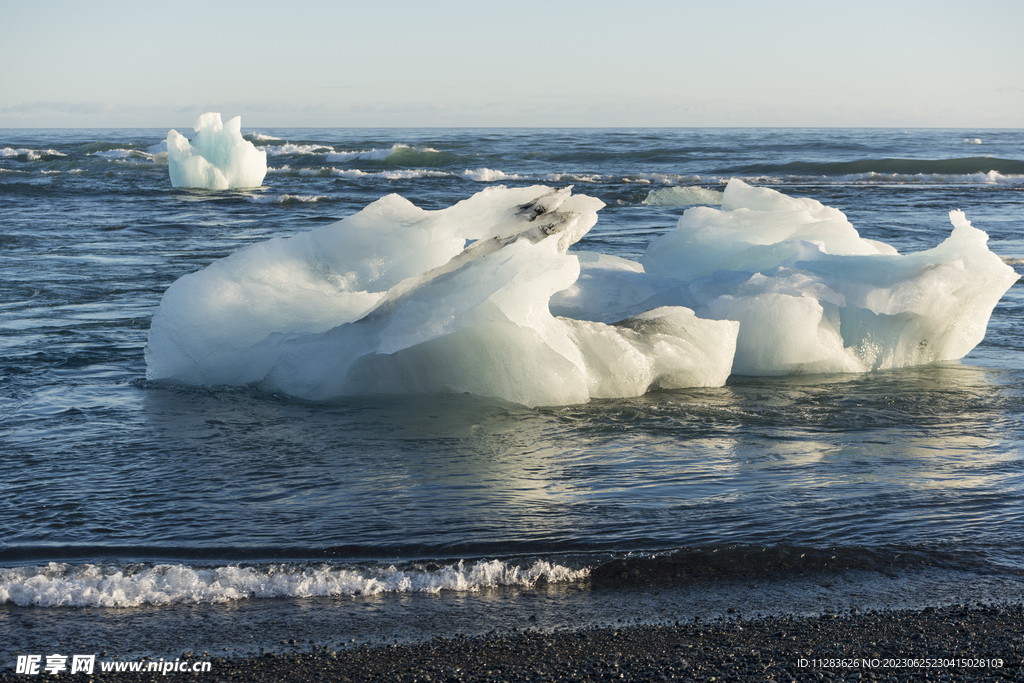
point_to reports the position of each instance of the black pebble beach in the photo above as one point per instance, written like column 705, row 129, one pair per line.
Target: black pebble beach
column 955, row 643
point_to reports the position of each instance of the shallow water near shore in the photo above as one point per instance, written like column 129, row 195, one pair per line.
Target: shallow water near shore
column 133, row 502
column 288, row 625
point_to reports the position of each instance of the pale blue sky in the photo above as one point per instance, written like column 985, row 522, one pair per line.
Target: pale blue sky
column 527, row 63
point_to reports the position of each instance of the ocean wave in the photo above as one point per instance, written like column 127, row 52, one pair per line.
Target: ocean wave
column 260, row 137
column 123, row 155
column 123, row 585
column 988, row 178
column 487, row 175
column 286, row 199
column 572, row 178
column 154, row 154
column 30, row 154
column 400, row 154
column 114, row 585
column 372, row 154
column 869, row 178
column 330, row 171
column 668, row 178
column 292, row 149
column 962, row 167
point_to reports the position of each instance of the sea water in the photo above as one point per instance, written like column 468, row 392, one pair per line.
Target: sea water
column 129, row 499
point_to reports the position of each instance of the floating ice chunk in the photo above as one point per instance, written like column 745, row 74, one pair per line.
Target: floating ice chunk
column 487, row 175
column 683, row 196
column 756, row 229
column 392, row 300
column 812, row 296
column 218, row 158
column 159, row 152
column 483, row 297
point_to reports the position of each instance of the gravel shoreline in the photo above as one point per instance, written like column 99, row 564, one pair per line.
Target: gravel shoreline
column 948, row 643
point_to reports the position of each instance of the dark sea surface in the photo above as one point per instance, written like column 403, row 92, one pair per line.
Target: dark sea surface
column 125, row 499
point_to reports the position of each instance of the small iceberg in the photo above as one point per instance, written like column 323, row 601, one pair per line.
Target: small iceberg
column 683, row 196
column 217, row 158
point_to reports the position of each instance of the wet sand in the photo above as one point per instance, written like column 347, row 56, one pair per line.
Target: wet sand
column 960, row 642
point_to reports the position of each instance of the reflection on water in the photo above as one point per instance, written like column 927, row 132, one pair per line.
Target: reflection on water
column 809, row 459
column 923, row 455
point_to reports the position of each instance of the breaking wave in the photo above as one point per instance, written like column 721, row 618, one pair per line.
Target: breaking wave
column 287, row 199
column 118, row 585
column 30, row 154
column 121, row 585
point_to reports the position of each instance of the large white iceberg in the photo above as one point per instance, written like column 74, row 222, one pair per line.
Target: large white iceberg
column 217, row 158
column 483, row 297
column 396, row 299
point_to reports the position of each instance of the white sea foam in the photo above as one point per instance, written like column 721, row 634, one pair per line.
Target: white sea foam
column 31, row 154
column 487, row 175
column 378, row 154
column 572, row 178
column 292, row 149
column 972, row 141
column 334, row 156
column 372, row 154
column 404, row 174
column 286, row 198
column 122, row 154
column 398, row 174
column 92, row 585
column 261, row 137
column 218, row 158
